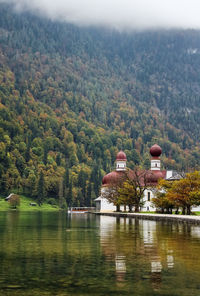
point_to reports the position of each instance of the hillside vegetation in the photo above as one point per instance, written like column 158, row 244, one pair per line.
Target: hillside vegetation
column 71, row 97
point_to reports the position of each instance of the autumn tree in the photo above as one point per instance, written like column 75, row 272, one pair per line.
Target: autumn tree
column 132, row 190
column 186, row 192
column 128, row 189
column 126, row 194
column 183, row 193
column 160, row 199
column 111, row 193
column 163, row 203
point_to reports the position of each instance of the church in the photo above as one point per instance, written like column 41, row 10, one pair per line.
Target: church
column 154, row 174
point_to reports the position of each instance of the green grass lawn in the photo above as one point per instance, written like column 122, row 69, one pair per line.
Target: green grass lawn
column 196, row 213
column 25, row 205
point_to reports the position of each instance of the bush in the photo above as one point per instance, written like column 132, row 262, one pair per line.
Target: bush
column 14, row 201
column 63, row 205
column 52, row 201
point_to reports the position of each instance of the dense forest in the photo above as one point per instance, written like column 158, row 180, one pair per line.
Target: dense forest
column 72, row 97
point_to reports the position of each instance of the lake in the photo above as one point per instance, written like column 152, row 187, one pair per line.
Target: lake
column 83, row 254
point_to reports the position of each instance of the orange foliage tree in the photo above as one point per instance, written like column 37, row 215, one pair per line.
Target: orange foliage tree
column 186, row 192
column 183, row 193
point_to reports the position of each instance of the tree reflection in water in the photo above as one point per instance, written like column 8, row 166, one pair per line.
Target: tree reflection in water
column 59, row 254
column 153, row 248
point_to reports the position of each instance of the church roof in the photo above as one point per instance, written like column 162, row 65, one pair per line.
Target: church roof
column 114, row 178
column 121, row 156
column 147, row 177
column 155, row 150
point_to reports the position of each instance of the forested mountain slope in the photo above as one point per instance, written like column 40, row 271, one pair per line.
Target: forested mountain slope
column 71, row 97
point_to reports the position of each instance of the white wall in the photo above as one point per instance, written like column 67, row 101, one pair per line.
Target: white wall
column 106, row 206
column 148, row 206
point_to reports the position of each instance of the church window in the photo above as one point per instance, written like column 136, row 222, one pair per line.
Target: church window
column 149, row 196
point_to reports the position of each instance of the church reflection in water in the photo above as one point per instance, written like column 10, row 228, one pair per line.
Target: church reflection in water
column 42, row 253
column 131, row 242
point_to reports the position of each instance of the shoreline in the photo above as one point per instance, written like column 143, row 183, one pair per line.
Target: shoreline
column 154, row 217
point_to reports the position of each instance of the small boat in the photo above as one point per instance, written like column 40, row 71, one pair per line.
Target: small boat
column 80, row 210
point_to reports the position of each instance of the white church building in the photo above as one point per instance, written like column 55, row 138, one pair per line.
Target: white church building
column 155, row 173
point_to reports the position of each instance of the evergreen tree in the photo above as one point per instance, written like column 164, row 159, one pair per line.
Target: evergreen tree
column 82, row 177
column 46, row 150
column 58, row 159
column 66, row 184
column 89, row 195
column 41, row 189
column 69, row 198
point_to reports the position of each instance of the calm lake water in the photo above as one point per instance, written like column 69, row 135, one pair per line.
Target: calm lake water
column 80, row 254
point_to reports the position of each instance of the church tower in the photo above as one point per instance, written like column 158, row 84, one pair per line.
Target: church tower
column 121, row 161
column 155, row 152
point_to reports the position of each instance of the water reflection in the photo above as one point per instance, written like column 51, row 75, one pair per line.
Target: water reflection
column 170, row 261
column 157, row 249
column 60, row 254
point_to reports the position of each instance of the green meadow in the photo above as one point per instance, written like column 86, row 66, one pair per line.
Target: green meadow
column 25, row 205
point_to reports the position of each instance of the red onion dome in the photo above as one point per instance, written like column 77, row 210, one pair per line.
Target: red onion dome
column 155, row 151
column 154, row 176
column 113, row 178
column 121, row 156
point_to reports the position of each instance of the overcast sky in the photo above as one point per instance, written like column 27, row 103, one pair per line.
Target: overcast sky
column 119, row 14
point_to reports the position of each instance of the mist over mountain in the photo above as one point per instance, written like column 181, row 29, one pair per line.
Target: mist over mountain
column 120, row 15
column 71, row 97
